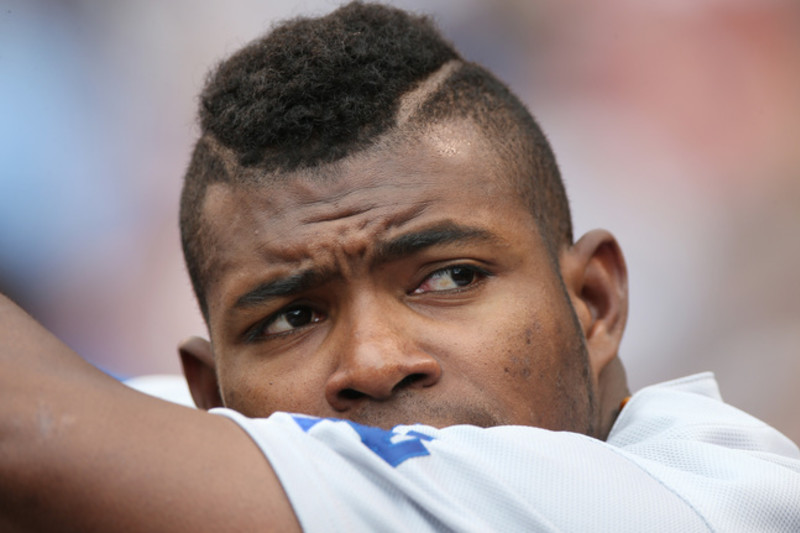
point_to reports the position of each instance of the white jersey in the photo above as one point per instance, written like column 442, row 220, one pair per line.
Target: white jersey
column 677, row 459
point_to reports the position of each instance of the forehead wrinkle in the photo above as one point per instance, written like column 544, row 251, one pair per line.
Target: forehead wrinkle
column 355, row 237
column 406, row 216
column 332, row 210
column 305, row 268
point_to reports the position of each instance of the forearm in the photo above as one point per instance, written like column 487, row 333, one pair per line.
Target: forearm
column 79, row 451
column 40, row 379
column 43, row 386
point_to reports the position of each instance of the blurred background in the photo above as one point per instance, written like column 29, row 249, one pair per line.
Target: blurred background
column 676, row 124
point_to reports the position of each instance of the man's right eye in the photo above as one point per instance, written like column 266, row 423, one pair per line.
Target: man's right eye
column 285, row 321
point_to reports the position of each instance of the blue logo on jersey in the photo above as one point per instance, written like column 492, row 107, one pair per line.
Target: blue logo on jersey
column 392, row 447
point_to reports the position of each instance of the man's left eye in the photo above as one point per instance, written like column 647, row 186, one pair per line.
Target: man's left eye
column 451, row 278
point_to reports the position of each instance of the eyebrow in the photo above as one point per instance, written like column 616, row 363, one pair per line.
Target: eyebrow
column 285, row 286
column 397, row 248
column 437, row 235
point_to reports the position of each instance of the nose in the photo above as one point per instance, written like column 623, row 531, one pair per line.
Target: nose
column 377, row 358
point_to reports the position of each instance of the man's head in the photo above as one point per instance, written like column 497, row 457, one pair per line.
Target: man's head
column 377, row 229
column 316, row 90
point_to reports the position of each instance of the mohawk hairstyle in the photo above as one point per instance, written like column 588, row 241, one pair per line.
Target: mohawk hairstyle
column 316, row 89
column 313, row 91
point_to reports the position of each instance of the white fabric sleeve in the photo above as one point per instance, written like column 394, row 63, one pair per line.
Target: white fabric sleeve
column 740, row 473
column 340, row 476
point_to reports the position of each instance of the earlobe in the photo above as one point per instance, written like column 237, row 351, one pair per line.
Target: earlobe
column 197, row 360
column 596, row 278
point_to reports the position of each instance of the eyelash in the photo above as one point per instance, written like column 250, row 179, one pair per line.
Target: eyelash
column 256, row 332
column 480, row 273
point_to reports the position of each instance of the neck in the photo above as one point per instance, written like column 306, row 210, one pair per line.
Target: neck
column 612, row 389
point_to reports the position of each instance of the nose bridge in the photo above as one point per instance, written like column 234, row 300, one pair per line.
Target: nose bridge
column 371, row 318
column 377, row 354
column 376, row 340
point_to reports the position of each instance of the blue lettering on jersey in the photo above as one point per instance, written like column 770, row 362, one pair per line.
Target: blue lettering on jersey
column 306, row 422
column 393, row 447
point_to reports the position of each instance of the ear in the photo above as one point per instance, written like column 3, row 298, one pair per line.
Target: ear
column 596, row 279
column 197, row 359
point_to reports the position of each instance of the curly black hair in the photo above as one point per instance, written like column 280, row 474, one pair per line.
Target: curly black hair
column 313, row 91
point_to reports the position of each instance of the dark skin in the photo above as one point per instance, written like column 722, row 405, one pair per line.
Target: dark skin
column 466, row 322
column 406, row 284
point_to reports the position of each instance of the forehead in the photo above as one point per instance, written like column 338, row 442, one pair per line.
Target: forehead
column 449, row 173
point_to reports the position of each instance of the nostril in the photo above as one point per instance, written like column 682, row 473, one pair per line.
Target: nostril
column 350, row 394
column 408, row 380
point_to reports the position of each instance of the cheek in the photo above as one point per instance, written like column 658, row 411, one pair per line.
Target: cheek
column 258, row 389
column 531, row 358
column 498, row 346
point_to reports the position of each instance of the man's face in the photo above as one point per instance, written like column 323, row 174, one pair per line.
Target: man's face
column 404, row 284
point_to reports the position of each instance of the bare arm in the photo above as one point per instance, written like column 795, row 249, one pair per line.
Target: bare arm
column 81, row 452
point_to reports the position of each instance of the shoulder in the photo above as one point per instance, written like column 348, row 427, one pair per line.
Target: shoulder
column 691, row 409
column 338, row 474
column 732, row 467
